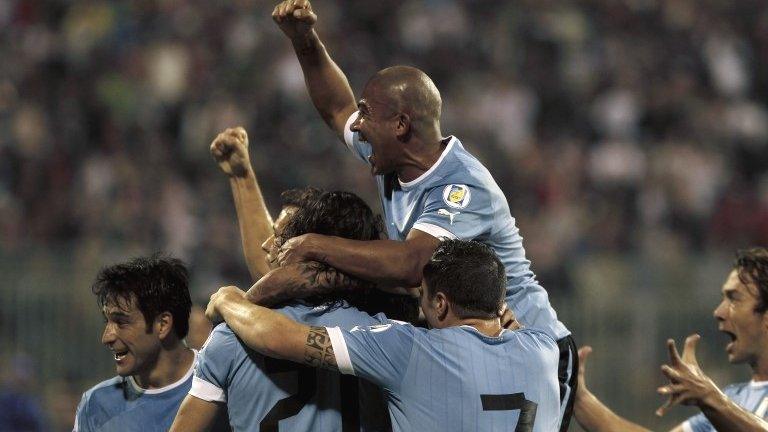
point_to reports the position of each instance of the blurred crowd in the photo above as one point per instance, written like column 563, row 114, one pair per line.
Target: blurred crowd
column 622, row 126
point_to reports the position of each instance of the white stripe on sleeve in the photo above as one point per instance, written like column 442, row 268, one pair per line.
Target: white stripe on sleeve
column 349, row 136
column 687, row 426
column 434, row 231
column 206, row 391
column 340, row 351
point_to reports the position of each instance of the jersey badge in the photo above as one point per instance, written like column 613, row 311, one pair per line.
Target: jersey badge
column 456, row 195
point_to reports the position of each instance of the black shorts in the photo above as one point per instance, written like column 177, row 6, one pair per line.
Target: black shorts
column 567, row 374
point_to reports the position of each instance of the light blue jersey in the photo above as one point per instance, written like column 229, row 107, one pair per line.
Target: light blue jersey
column 752, row 396
column 456, row 379
column 120, row 405
column 458, row 198
column 262, row 393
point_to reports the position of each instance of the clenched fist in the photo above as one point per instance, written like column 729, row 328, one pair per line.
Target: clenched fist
column 295, row 18
column 230, row 149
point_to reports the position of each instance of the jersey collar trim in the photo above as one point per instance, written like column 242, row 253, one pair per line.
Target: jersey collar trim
column 451, row 141
column 171, row 386
column 758, row 384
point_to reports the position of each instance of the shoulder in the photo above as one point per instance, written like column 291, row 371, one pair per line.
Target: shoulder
column 104, row 389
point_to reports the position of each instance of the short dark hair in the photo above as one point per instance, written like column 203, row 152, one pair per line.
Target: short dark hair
column 300, row 197
column 470, row 275
column 752, row 267
column 344, row 214
column 159, row 284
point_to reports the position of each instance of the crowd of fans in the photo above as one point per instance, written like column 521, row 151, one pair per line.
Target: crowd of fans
column 619, row 127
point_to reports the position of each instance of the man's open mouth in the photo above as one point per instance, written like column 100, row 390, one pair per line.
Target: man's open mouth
column 119, row 355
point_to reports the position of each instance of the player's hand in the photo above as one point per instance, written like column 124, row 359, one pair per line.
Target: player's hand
column 230, row 149
column 687, row 383
column 297, row 249
column 581, row 385
column 295, row 18
column 508, row 318
column 212, row 311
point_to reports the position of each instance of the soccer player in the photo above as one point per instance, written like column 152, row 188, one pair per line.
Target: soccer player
column 146, row 306
column 430, row 186
column 261, row 392
column 466, row 373
column 742, row 315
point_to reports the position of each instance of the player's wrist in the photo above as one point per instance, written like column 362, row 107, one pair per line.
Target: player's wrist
column 306, row 43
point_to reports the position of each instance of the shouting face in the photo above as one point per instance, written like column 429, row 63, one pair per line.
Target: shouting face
column 134, row 345
column 737, row 317
column 377, row 124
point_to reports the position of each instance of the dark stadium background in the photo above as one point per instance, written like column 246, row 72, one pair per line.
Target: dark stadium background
column 630, row 137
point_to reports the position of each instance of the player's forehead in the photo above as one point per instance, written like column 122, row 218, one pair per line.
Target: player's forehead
column 286, row 213
column 734, row 285
column 121, row 305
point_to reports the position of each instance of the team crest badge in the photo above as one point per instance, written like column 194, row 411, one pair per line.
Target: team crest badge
column 456, row 195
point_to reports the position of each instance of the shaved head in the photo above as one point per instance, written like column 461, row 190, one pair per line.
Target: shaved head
column 408, row 90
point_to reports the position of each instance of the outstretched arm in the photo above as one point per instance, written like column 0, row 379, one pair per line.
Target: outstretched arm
column 272, row 333
column 327, row 85
column 591, row 413
column 386, row 262
column 230, row 150
column 690, row 386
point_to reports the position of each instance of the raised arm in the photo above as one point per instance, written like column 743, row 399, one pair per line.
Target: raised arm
column 272, row 333
column 591, row 413
column 385, row 262
column 230, row 150
column 327, row 85
column 199, row 415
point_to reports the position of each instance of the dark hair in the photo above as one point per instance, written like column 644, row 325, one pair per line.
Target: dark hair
column 344, row 214
column 470, row 275
column 300, row 197
column 159, row 284
column 752, row 267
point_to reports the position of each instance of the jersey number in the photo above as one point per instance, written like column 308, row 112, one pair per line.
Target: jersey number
column 510, row 402
column 307, row 380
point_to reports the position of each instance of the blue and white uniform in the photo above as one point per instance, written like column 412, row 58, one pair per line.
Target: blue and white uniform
column 262, row 393
column 752, row 396
column 456, row 379
column 457, row 198
column 120, row 405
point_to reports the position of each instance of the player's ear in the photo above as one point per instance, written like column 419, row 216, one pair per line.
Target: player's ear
column 403, row 127
column 441, row 305
column 164, row 325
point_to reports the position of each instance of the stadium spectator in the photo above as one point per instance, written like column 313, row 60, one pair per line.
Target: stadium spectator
column 146, row 307
column 466, row 372
column 743, row 316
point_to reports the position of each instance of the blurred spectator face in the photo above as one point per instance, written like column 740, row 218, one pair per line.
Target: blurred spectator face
column 272, row 245
column 377, row 123
column 134, row 344
column 737, row 318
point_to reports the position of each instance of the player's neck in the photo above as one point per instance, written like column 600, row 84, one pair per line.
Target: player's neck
column 419, row 158
column 760, row 369
column 170, row 367
column 489, row 327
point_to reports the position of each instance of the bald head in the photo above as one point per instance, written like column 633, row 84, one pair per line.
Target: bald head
column 409, row 90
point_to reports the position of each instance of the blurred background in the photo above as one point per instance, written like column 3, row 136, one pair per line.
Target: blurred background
column 630, row 137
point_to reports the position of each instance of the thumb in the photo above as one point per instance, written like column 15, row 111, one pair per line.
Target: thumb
column 584, row 352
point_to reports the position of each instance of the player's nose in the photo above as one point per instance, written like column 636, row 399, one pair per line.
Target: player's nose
column 108, row 337
column 267, row 245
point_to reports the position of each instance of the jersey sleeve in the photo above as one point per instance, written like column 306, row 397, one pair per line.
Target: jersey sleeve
column 697, row 423
column 214, row 365
column 378, row 353
column 81, row 424
column 362, row 150
column 456, row 211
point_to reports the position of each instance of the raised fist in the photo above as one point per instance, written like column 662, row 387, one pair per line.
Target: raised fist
column 295, row 17
column 230, row 149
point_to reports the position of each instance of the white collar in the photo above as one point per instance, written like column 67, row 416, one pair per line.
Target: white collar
column 171, row 386
column 451, row 140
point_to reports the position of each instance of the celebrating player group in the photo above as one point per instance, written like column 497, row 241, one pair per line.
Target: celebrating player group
column 442, row 326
